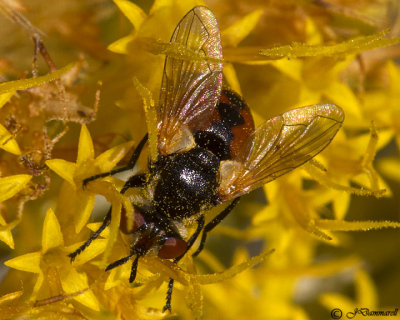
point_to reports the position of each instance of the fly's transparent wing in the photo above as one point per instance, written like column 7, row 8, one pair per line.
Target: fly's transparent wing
column 192, row 78
column 281, row 144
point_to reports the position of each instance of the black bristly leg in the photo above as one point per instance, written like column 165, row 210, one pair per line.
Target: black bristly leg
column 200, row 225
column 119, row 262
column 135, row 181
column 132, row 277
column 94, row 236
column 211, row 225
column 169, row 295
column 130, row 165
column 123, row 261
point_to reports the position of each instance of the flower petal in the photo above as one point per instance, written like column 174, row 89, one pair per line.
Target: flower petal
column 342, row 95
column 7, row 142
column 365, row 290
column 121, row 45
column 63, row 168
column 134, row 13
column 37, row 286
column 109, row 159
column 117, row 276
column 151, row 117
column 231, row 77
column 390, row 168
column 11, row 185
column 52, row 236
column 85, row 204
column 85, row 148
column 235, row 33
column 74, row 281
column 5, row 234
column 341, row 203
column 29, row 262
column 96, row 247
column 5, row 97
column 94, row 226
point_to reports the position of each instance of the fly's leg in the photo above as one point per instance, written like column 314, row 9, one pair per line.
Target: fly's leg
column 209, row 226
column 130, row 165
column 169, row 295
column 200, row 225
column 213, row 223
column 123, row 261
column 94, row 236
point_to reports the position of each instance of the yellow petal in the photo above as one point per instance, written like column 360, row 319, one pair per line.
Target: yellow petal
column 390, row 167
column 313, row 36
column 7, row 142
column 7, row 238
column 85, row 204
column 338, row 302
column 341, row 203
column 241, row 28
column 52, row 236
column 151, row 117
column 342, row 95
column 29, row 262
column 10, row 186
column 321, row 269
column 291, row 68
column 6, row 235
column 117, row 276
column 95, row 226
column 110, row 158
column 85, row 148
column 73, row 281
column 5, row 97
column 114, row 228
column 96, row 247
column 231, row 77
column 365, row 288
column 63, row 168
column 158, row 4
column 37, row 286
column 133, row 12
column 121, row 45
column 11, row 296
column 12, row 86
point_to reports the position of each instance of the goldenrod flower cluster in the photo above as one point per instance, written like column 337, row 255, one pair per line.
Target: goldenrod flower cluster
column 76, row 100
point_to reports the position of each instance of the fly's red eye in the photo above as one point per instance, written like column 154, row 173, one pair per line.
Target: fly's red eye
column 172, row 248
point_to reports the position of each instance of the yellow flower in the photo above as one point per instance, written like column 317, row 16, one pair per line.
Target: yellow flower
column 286, row 249
column 52, row 265
column 9, row 187
column 85, row 166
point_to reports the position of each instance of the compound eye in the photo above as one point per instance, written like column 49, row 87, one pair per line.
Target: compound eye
column 172, row 248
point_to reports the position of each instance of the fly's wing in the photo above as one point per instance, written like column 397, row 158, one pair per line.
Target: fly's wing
column 280, row 145
column 192, row 78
